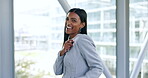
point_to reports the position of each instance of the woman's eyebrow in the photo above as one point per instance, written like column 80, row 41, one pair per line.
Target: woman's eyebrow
column 73, row 18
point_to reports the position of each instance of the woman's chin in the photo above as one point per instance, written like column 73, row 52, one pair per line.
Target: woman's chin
column 68, row 32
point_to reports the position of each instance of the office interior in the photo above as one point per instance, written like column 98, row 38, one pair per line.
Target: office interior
column 31, row 34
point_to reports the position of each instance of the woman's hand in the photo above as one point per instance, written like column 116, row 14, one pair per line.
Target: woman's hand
column 67, row 45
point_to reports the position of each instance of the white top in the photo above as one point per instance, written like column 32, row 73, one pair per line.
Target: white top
column 81, row 61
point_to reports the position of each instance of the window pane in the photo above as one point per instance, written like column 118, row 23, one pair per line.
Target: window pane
column 38, row 28
column 138, row 32
column 101, row 28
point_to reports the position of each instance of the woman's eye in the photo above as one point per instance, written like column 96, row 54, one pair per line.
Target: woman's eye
column 74, row 21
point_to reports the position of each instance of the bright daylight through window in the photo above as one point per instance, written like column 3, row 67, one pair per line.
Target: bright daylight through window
column 39, row 25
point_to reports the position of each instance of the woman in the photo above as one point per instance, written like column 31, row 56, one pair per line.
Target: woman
column 78, row 57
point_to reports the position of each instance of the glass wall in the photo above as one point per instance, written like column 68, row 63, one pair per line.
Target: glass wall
column 138, row 33
column 39, row 33
column 39, row 26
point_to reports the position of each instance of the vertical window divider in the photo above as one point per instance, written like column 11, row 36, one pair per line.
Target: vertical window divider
column 122, row 52
column 6, row 39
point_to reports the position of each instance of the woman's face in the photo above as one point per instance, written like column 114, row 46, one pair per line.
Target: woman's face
column 73, row 24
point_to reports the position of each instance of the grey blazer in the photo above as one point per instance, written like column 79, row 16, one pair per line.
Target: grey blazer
column 81, row 61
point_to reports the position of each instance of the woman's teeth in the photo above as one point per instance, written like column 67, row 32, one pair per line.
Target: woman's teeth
column 69, row 27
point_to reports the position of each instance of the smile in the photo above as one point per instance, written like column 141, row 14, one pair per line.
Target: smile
column 69, row 27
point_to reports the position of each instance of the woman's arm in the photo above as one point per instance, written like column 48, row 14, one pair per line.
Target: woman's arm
column 58, row 65
column 89, row 53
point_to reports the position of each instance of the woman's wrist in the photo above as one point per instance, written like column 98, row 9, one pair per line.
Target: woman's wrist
column 62, row 52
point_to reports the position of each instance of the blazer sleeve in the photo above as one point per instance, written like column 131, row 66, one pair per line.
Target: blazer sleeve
column 58, row 65
column 88, row 52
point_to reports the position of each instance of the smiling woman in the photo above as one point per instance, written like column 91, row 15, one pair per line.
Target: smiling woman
column 78, row 58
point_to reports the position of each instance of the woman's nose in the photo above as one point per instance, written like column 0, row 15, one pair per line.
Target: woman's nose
column 68, row 23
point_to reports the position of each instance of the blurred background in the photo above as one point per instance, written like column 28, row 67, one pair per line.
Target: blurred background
column 39, row 26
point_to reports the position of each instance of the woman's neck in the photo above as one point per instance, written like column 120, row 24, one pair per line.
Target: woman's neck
column 72, row 36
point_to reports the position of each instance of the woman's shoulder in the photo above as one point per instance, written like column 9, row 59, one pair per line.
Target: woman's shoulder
column 83, row 37
column 84, row 40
